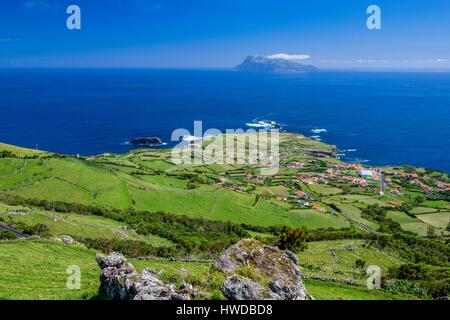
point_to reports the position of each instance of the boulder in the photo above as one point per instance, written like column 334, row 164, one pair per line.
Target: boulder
column 277, row 272
column 67, row 239
column 120, row 281
column 112, row 260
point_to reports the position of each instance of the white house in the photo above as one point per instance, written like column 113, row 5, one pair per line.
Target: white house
column 366, row 173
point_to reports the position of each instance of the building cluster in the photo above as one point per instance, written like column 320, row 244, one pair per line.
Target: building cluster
column 388, row 181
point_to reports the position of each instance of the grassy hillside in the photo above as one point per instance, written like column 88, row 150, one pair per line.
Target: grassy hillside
column 37, row 270
column 143, row 205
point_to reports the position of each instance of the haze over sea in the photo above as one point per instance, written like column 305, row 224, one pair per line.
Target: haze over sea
column 383, row 118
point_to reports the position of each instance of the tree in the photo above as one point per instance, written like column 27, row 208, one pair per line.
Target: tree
column 293, row 239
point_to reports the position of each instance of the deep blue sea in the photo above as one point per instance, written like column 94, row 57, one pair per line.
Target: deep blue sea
column 383, row 118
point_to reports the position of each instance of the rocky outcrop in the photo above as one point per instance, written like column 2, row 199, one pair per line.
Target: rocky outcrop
column 275, row 273
column 252, row 271
column 120, row 281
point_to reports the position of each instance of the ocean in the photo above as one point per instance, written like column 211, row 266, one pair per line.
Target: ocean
column 377, row 118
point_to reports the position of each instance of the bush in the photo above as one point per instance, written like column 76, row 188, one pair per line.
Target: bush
column 360, row 264
column 6, row 154
column 7, row 235
column 39, row 229
column 401, row 286
column 293, row 239
column 193, row 185
column 434, row 280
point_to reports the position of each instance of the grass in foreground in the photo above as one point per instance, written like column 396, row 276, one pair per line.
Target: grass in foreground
column 322, row 290
column 36, row 269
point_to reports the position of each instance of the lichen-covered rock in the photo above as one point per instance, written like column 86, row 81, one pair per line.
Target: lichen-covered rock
column 237, row 287
column 278, row 268
column 114, row 259
column 120, row 281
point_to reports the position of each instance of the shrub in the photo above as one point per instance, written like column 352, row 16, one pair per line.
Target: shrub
column 293, row 239
column 39, row 229
column 193, row 185
column 360, row 264
column 434, row 280
column 6, row 154
column 7, row 235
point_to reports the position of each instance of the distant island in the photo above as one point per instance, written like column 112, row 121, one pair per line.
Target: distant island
column 266, row 64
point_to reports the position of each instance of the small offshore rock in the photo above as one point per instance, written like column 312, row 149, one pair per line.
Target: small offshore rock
column 146, row 141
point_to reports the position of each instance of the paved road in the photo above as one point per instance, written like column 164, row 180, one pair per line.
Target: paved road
column 16, row 232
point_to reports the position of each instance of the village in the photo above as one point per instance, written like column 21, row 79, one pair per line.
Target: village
column 308, row 179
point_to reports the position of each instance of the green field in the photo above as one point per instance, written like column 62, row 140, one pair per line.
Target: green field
column 313, row 219
column 324, row 190
column 422, row 210
column 438, row 220
column 408, row 223
column 336, row 259
column 322, row 290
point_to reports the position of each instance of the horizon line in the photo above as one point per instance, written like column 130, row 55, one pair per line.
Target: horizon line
column 399, row 69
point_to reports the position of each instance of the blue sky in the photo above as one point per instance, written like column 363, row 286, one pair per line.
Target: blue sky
column 220, row 33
